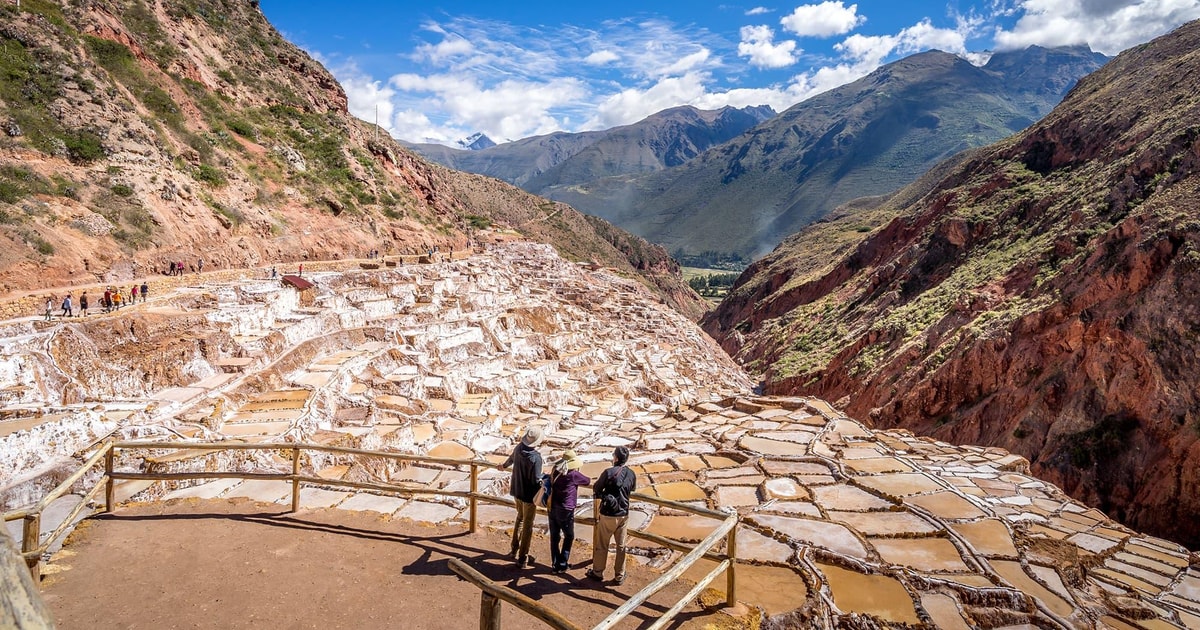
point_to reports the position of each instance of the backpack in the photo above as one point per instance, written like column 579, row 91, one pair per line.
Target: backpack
column 609, row 502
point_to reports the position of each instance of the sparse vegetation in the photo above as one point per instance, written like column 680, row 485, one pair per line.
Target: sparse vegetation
column 210, row 175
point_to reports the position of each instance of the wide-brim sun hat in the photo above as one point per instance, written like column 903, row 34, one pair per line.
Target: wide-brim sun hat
column 532, row 437
column 572, row 460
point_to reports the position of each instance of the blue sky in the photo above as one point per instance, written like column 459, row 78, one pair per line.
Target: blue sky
column 440, row 70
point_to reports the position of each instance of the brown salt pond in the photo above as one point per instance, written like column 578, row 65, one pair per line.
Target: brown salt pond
column 772, row 447
column 988, row 536
column 451, row 450
column 774, row 589
column 679, row 491
column 899, row 484
column 831, row 536
column 877, row 595
column 930, row 554
column 944, row 611
column 883, row 523
column 1012, row 573
column 847, row 498
column 689, row 528
column 946, row 505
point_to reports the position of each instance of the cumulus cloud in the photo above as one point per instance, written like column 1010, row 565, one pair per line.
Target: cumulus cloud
column 758, row 43
column 1108, row 26
column 505, row 110
column 871, row 50
column 759, row 11
column 823, row 20
column 601, row 57
column 368, row 98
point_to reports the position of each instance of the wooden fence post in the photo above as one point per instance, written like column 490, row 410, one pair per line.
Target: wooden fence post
column 489, row 612
column 731, row 571
column 295, row 478
column 31, row 536
column 109, row 486
column 473, row 502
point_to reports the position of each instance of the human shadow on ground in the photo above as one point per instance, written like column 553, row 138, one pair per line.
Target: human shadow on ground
column 536, row 583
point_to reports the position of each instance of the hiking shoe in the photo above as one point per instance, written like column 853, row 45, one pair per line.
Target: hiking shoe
column 525, row 563
column 620, row 579
column 595, row 576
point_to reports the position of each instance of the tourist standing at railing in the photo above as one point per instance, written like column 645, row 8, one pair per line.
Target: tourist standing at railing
column 565, row 481
column 526, row 463
column 611, row 493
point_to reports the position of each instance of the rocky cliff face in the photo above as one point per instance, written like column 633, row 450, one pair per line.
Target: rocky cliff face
column 1038, row 297
column 138, row 132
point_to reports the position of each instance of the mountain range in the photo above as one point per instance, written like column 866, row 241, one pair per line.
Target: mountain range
column 736, row 182
column 1037, row 294
column 665, row 139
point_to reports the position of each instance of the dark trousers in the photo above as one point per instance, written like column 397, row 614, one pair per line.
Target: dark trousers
column 562, row 535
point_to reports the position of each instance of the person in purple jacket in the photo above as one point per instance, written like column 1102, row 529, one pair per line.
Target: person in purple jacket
column 565, row 480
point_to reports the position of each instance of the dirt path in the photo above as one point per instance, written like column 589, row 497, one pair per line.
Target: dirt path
column 221, row 564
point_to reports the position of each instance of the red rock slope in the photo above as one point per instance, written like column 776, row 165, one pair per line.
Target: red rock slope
column 1042, row 296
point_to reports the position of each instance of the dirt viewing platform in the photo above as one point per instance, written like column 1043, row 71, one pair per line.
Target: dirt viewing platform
column 223, row 564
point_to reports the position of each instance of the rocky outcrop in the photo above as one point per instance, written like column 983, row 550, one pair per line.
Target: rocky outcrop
column 1033, row 298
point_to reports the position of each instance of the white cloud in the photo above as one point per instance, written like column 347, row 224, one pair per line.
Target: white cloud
column 1109, row 26
column 684, row 64
column 758, row 44
column 504, row 110
column 601, row 57
column 823, row 20
column 446, row 49
column 870, row 50
column 368, row 99
column 633, row 104
column 759, row 11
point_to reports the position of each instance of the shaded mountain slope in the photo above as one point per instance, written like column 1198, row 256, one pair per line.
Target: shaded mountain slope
column 662, row 140
column 1039, row 297
column 869, row 137
column 133, row 133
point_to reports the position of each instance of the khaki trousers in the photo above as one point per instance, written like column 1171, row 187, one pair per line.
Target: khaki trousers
column 608, row 527
column 523, row 528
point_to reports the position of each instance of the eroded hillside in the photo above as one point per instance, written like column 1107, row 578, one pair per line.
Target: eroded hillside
column 134, row 133
column 1039, row 297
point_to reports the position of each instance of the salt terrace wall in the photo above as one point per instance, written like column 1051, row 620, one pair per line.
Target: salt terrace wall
column 848, row 526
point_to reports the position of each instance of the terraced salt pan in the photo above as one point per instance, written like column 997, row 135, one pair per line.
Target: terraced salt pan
column 989, row 537
column 877, row 595
column 1012, row 573
column 944, row 611
column 831, row 536
column 847, row 498
column 930, row 554
column 884, row 523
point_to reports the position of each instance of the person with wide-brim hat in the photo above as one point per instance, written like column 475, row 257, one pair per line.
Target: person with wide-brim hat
column 526, row 463
column 565, row 481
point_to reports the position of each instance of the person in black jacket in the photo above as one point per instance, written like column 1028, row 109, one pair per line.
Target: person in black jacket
column 526, row 463
column 611, row 494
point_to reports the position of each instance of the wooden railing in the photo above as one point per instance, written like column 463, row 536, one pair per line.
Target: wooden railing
column 31, row 547
column 493, row 594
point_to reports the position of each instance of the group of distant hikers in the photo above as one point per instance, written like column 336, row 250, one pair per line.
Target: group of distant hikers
column 113, row 299
column 176, row 268
column 558, row 492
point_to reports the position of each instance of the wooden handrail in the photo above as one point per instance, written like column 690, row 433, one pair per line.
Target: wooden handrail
column 492, row 593
column 287, row 446
column 524, row 602
column 669, row 576
column 61, row 488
